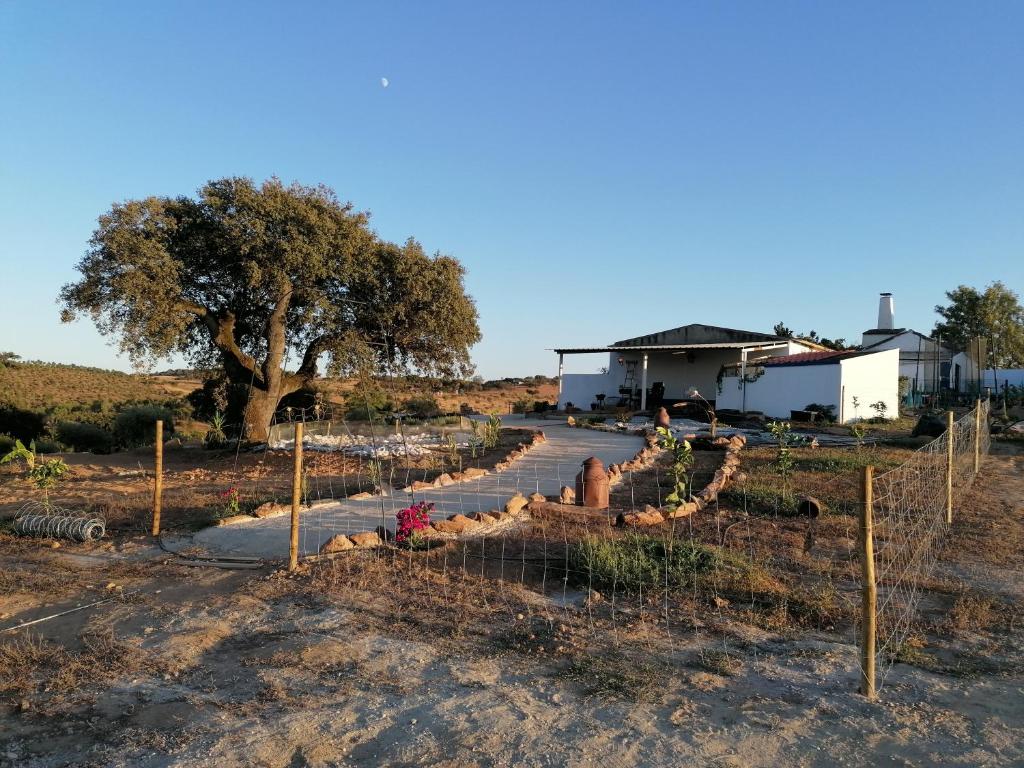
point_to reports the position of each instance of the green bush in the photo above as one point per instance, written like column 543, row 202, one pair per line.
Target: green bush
column 368, row 404
column 85, row 437
column 23, row 424
column 422, row 407
column 6, row 444
column 636, row 561
column 522, row 405
column 136, row 426
column 45, row 445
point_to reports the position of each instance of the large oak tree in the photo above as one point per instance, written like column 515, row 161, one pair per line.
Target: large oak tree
column 267, row 281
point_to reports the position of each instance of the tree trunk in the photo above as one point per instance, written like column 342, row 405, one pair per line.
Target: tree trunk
column 258, row 414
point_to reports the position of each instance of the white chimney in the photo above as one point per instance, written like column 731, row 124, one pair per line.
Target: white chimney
column 885, row 312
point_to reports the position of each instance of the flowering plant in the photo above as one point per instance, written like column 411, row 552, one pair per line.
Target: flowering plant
column 233, row 501
column 411, row 521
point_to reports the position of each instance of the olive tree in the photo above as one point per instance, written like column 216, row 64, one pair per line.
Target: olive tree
column 267, row 281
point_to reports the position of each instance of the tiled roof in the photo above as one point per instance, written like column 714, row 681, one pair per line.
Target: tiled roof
column 809, row 358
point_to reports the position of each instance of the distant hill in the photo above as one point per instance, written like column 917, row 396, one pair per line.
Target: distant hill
column 35, row 384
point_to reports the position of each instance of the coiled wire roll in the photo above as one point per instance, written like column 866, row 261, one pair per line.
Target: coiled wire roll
column 38, row 519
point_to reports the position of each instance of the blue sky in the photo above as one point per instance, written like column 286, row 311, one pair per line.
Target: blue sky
column 602, row 171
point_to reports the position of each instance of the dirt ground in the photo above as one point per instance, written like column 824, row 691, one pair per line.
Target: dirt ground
column 393, row 660
column 120, row 485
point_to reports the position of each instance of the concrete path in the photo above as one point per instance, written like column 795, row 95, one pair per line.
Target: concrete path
column 545, row 469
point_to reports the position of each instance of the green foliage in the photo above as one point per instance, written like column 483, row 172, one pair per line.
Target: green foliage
column 250, row 275
column 994, row 315
column 9, row 360
column 368, row 402
column 6, row 444
column 522, row 405
column 682, row 460
column 136, row 426
column 491, row 431
column 23, row 424
column 422, row 407
column 215, row 436
column 43, row 474
column 79, row 436
column 784, row 462
column 880, row 408
column 636, row 561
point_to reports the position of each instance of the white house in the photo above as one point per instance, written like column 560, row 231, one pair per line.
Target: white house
column 927, row 364
column 857, row 384
column 664, row 367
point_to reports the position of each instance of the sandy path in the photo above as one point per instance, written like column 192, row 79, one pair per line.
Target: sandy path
column 545, row 469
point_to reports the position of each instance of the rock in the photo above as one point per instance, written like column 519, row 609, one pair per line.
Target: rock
column 458, row 477
column 366, row 540
column 567, row 495
column 513, row 455
column 444, row 480
column 235, row 519
column 501, row 466
column 515, row 504
column 421, row 485
column 455, row 524
column 537, row 497
column 272, row 509
column 571, row 421
column 638, row 519
column 483, row 517
column 739, row 477
column 683, row 510
column 337, row 543
column 54, row 545
column 540, row 437
column 361, row 495
column 471, row 473
column 384, row 533
column 721, row 602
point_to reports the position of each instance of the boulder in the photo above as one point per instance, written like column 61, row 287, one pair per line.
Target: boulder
column 272, row 509
column 471, row 473
column 567, row 495
column 515, row 504
column 337, row 543
column 483, row 517
column 571, row 421
column 683, row 510
column 361, row 495
column 445, row 480
column 537, row 497
column 366, row 540
column 421, row 485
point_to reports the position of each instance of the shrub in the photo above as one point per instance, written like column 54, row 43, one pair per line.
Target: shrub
column 422, row 407
column 636, row 561
column 522, row 405
column 136, row 426
column 6, row 444
column 44, row 445
column 411, row 521
column 20, row 423
column 85, row 437
column 825, row 412
column 368, row 403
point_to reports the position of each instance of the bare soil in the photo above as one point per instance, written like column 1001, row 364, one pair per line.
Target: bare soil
column 429, row 658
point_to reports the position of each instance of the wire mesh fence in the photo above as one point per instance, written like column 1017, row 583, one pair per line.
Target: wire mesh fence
column 909, row 514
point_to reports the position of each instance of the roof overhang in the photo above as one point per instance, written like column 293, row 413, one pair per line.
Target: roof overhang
column 674, row 348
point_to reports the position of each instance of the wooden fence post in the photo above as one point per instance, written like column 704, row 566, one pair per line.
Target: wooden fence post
column 977, row 435
column 158, row 486
column 868, row 593
column 293, row 544
column 950, row 445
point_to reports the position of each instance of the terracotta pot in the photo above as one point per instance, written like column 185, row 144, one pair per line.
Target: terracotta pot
column 592, row 485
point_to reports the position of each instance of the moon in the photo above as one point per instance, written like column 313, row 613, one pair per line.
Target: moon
column 384, row 82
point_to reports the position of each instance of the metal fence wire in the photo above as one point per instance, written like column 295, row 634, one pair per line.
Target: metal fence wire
column 909, row 511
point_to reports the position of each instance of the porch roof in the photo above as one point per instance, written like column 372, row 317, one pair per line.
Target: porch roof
column 675, row 348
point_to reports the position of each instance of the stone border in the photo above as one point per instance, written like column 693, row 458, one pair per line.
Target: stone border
column 652, row 515
column 444, row 480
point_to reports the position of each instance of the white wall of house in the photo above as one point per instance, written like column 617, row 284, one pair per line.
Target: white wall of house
column 580, row 389
column 784, row 388
column 870, row 379
column 920, row 359
column 781, row 389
